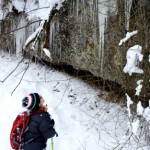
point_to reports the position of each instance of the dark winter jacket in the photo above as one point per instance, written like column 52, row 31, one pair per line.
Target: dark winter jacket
column 39, row 130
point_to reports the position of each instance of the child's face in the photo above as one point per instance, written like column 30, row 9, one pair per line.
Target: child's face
column 42, row 104
column 42, row 100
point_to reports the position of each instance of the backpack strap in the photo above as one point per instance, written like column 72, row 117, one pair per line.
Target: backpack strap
column 36, row 112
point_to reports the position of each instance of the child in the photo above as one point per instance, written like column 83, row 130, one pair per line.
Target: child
column 40, row 127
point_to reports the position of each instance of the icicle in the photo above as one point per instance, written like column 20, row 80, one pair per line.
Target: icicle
column 77, row 8
column 128, row 4
column 19, row 35
column 52, row 31
column 50, row 37
column 103, row 8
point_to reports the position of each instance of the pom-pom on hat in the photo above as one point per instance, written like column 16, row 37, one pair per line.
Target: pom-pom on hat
column 31, row 102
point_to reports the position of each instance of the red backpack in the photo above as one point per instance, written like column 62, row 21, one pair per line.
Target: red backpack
column 19, row 128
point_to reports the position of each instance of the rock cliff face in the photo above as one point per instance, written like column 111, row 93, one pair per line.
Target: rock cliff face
column 86, row 35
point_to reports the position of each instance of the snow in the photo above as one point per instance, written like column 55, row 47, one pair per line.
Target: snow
column 38, row 9
column 134, row 57
column 146, row 114
column 82, row 119
column 41, row 8
column 67, row 125
column 128, row 36
column 35, row 34
column 140, row 109
column 139, row 87
column 19, row 5
column 47, row 52
column 129, row 102
column 135, row 126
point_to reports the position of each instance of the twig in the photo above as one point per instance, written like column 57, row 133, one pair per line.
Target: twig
column 13, row 70
column 21, row 78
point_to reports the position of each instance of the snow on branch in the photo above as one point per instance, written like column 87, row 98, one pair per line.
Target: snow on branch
column 47, row 53
column 19, row 5
column 34, row 35
column 139, row 87
column 133, row 57
column 139, row 108
column 145, row 112
column 135, row 126
column 128, row 35
column 44, row 25
column 129, row 102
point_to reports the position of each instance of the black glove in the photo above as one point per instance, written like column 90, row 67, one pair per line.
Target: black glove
column 56, row 134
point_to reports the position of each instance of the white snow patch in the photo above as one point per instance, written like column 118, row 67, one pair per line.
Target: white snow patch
column 47, row 52
column 129, row 102
column 82, row 119
column 146, row 114
column 139, row 109
column 135, row 126
column 41, row 9
column 33, row 8
column 128, row 35
column 35, row 34
column 19, row 5
column 133, row 57
column 139, row 87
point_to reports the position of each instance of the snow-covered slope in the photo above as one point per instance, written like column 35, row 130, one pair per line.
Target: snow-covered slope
column 83, row 120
